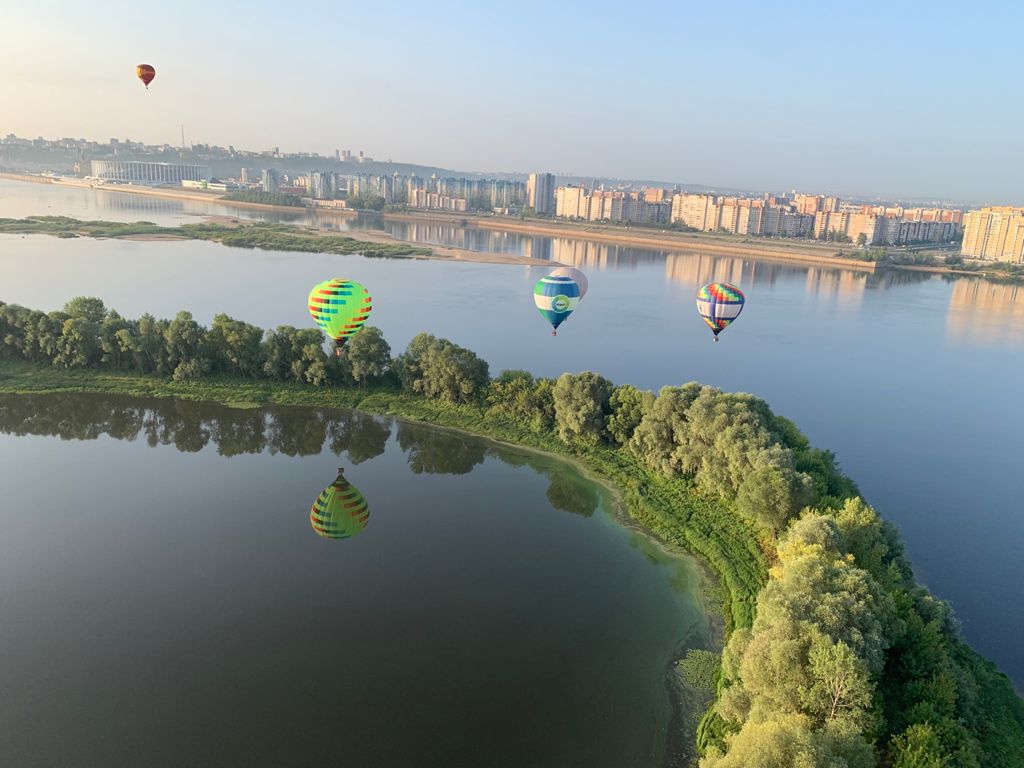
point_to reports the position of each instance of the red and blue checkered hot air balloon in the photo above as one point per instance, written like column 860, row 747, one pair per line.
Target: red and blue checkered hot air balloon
column 719, row 304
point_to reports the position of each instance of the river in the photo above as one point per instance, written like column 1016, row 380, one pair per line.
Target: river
column 167, row 600
column 912, row 379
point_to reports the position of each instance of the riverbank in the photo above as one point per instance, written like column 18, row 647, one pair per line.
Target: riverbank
column 265, row 236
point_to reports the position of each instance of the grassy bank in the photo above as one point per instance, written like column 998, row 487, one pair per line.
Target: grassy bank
column 262, row 235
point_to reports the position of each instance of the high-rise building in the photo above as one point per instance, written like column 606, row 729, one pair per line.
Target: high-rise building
column 321, row 185
column 994, row 233
column 269, row 180
column 540, row 193
column 244, row 176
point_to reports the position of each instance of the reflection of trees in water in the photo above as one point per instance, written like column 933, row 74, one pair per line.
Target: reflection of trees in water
column 439, row 452
column 894, row 278
column 567, row 490
column 571, row 492
column 361, row 436
column 190, row 427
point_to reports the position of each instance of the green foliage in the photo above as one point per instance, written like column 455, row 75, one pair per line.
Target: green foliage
column 772, row 495
column 441, row 370
column 369, row 354
column 264, row 198
column 700, row 669
column 366, row 201
column 581, row 407
column 516, row 397
column 628, row 406
column 263, row 235
column 918, row 747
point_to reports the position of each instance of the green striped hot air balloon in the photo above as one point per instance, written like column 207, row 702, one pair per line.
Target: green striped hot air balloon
column 340, row 511
column 340, row 308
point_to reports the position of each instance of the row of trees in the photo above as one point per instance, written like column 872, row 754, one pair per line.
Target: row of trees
column 847, row 660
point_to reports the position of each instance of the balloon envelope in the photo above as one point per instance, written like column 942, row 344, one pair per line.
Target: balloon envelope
column 556, row 298
column 573, row 274
column 340, row 511
column 719, row 304
column 340, row 307
column 145, row 73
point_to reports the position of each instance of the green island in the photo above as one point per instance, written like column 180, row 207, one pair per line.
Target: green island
column 264, row 198
column 833, row 655
column 263, row 235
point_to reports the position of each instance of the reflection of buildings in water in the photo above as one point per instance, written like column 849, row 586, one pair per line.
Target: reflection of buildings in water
column 840, row 287
column 983, row 311
column 585, row 254
column 340, row 511
column 696, row 269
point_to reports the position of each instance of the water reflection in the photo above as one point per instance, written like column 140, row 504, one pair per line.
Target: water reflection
column 340, row 511
column 697, row 269
column 190, row 427
column 984, row 312
column 435, row 451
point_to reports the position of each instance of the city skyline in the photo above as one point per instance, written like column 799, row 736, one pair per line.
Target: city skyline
column 846, row 102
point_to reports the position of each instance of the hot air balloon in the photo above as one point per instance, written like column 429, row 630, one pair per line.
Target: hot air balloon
column 145, row 73
column 719, row 304
column 556, row 298
column 340, row 308
column 573, row 274
column 340, row 511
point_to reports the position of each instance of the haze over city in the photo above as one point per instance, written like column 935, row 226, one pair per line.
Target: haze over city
column 869, row 99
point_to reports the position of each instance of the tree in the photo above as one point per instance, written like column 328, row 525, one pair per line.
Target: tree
column 917, row 747
column 841, row 689
column 628, row 406
column 581, row 407
column 235, row 347
column 862, row 239
column 86, row 308
column 369, row 354
column 439, row 369
column 772, row 495
column 515, row 396
column 184, row 339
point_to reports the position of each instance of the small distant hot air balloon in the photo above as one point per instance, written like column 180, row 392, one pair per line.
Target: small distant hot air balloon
column 719, row 304
column 340, row 308
column 145, row 73
column 340, row 511
column 573, row 274
column 556, row 298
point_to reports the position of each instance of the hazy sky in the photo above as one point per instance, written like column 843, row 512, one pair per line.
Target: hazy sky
column 896, row 98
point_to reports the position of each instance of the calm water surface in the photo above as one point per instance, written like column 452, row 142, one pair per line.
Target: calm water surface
column 911, row 379
column 167, row 602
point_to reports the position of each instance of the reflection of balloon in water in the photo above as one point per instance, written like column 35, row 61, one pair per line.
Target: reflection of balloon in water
column 719, row 304
column 145, row 73
column 340, row 308
column 573, row 274
column 340, row 511
column 556, row 298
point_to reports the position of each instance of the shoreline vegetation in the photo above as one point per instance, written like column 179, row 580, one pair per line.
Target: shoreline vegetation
column 266, row 236
column 780, row 250
column 834, row 655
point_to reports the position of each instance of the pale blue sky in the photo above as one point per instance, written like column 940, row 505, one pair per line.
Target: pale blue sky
column 896, row 98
